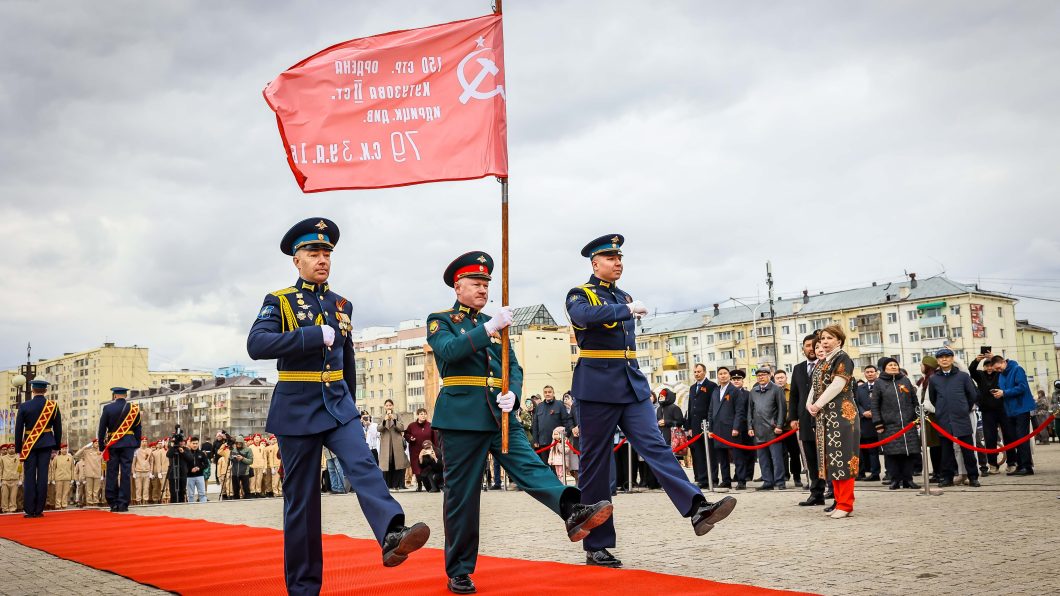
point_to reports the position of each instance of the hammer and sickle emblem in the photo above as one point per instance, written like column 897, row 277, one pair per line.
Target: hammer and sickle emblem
column 471, row 90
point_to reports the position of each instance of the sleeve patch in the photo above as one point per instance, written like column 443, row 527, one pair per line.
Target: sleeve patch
column 433, row 327
column 266, row 313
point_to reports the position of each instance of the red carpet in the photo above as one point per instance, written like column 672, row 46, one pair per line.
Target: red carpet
column 200, row 557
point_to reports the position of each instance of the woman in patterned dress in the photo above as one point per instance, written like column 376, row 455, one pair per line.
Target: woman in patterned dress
column 832, row 403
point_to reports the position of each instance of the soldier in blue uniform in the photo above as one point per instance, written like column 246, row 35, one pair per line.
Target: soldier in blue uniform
column 467, row 414
column 119, row 438
column 306, row 327
column 609, row 389
column 34, row 444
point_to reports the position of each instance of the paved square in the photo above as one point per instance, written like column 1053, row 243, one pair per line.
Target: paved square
column 999, row 539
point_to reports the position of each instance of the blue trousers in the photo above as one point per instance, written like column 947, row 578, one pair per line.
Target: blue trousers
column 338, row 485
column 119, row 490
column 638, row 422
column 771, row 460
column 35, row 480
column 302, row 550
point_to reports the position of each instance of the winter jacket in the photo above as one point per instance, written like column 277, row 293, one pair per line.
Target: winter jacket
column 894, row 405
column 241, row 468
column 985, row 382
column 765, row 411
column 953, row 395
column 1013, row 382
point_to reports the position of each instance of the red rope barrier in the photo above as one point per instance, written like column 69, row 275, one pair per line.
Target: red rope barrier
column 546, row 447
column 619, row 446
column 575, row 451
column 686, row 443
column 1012, row 445
column 907, row 428
column 753, row 447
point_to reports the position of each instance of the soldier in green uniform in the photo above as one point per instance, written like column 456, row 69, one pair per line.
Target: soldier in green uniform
column 468, row 412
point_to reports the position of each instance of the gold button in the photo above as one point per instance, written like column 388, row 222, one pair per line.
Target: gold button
column 327, row 366
column 327, row 384
column 327, row 314
column 321, row 297
column 329, row 348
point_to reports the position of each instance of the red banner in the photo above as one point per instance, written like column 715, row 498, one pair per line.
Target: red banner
column 405, row 107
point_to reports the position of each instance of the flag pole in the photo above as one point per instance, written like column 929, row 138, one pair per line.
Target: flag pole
column 505, row 346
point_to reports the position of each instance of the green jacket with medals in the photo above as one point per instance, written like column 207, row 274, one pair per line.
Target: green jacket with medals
column 469, row 363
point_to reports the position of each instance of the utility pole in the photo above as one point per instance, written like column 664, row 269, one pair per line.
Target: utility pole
column 772, row 315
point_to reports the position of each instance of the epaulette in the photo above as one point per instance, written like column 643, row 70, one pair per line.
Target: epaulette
column 284, row 291
column 442, row 312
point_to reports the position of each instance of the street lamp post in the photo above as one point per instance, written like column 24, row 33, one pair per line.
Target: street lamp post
column 752, row 331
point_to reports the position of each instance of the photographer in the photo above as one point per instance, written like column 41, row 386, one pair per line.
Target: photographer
column 177, row 476
column 239, row 470
column 194, row 463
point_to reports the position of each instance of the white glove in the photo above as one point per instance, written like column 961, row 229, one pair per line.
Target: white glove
column 329, row 334
column 87, row 446
column 637, row 308
column 275, row 470
column 506, row 401
column 503, row 319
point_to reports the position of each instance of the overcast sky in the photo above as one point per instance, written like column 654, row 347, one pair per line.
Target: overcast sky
column 144, row 187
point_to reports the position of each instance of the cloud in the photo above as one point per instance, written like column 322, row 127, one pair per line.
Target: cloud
column 143, row 185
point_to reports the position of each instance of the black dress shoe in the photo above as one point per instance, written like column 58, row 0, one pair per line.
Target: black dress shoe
column 873, row 478
column 28, row 515
column 945, row 483
column 1021, row 473
column 399, row 543
column 708, row 514
column 601, row 558
column 763, row 488
column 911, row 484
column 811, row 501
column 974, row 483
column 895, row 485
column 461, row 584
column 830, row 508
column 583, row 518
column 741, row 486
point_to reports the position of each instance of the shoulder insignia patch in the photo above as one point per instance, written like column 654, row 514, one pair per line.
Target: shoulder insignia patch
column 266, row 312
column 341, row 303
column 442, row 312
column 573, row 298
column 457, row 318
column 433, row 327
column 284, row 291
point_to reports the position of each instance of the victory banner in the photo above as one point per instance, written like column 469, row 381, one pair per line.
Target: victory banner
column 400, row 108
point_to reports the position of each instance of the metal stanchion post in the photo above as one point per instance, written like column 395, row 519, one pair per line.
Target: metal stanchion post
column 563, row 466
column 927, row 491
column 629, row 464
column 706, row 448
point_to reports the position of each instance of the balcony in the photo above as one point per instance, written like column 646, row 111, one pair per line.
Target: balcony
column 726, row 362
column 874, row 348
column 932, row 321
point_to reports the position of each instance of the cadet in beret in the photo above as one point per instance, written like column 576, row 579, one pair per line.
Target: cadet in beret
column 610, row 390
column 468, row 413
column 38, row 432
column 306, row 327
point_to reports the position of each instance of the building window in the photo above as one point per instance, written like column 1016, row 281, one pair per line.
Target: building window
column 724, row 335
column 893, row 338
column 819, row 324
column 1002, row 334
column 710, row 357
column 695, row 358
column 802, row 328
column 892, row 317
column 642, row 345
column 932, row 312
column 739, row 336
column 655, row 345
column 767, row 331
column 999, row 312
column 713, row 375
column 742, row 353
column 916, row 358
column 955, row 309
column 853, row 323
column 677, row 342
column 911, row 315
column 787, row 349
column 935, row 332
column 754, row 352
column 914, row 336
column 955, row 332
column 870, row 339
column 695, row 340
column 710, row 339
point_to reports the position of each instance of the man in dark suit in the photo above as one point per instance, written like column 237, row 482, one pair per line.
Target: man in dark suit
column 870, row 458
column 38, row 432
column 725, row 417
column 119, row 437
column 802, row 420
column 549, row 415
column 698, row 410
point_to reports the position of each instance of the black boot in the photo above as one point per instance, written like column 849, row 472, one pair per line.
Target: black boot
column 582, row 518
column 402, row 541
column 708, row 514
column 461, row 584
column 601, row 558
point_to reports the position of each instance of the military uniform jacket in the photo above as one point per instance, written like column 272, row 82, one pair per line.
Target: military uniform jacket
column 602, row 321
column 463, row 348
column 288, row 328
column 109, row 421
column 26, row 418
